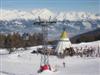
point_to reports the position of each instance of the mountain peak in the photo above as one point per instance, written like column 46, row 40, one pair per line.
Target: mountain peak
column 45, row 14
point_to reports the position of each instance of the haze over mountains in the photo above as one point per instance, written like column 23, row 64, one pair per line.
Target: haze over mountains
column 22, row 21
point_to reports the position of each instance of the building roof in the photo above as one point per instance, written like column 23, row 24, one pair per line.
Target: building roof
column 64, row 35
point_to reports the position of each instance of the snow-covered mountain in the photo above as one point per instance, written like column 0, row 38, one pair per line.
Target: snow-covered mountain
column 22, row 21
column 45, row 14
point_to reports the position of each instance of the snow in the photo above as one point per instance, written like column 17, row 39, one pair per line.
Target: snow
column 3, row 51
column 2, row 74
column 45, row 14
column 47, row 72
column 25, row 63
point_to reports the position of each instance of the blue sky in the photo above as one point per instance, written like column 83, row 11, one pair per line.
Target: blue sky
column 55, row 5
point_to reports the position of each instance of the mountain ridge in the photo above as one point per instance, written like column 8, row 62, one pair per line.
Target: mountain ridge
column 93, row 35
column 22, row 21
column 45, row 14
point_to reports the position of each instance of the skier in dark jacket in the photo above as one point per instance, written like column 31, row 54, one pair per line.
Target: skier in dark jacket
column 64, row 65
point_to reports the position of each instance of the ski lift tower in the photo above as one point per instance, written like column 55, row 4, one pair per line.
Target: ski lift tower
column 44, row 64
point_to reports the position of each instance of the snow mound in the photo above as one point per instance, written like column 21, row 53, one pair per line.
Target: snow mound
column 3, row 51
column 47, row 72
column 2, row 74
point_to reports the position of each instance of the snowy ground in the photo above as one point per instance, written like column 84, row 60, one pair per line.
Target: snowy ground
column 28, row 64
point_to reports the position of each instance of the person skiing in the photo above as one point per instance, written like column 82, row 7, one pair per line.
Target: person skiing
column 64, row 65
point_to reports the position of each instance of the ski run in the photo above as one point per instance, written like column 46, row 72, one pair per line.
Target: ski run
column 26, row 63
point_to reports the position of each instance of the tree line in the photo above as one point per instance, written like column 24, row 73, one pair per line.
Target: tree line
column 17, row 40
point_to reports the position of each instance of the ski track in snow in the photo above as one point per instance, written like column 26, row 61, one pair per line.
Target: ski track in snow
column 5, row 73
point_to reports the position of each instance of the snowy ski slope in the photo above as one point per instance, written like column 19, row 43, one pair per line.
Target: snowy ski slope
column 25, row 63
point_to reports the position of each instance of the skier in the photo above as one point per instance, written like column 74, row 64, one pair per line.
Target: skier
column 64, row 65
column 18, row 55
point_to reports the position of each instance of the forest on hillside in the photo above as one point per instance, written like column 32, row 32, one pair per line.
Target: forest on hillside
column 17, row 40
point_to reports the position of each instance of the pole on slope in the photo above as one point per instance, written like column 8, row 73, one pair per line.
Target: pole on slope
column 44, row 64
